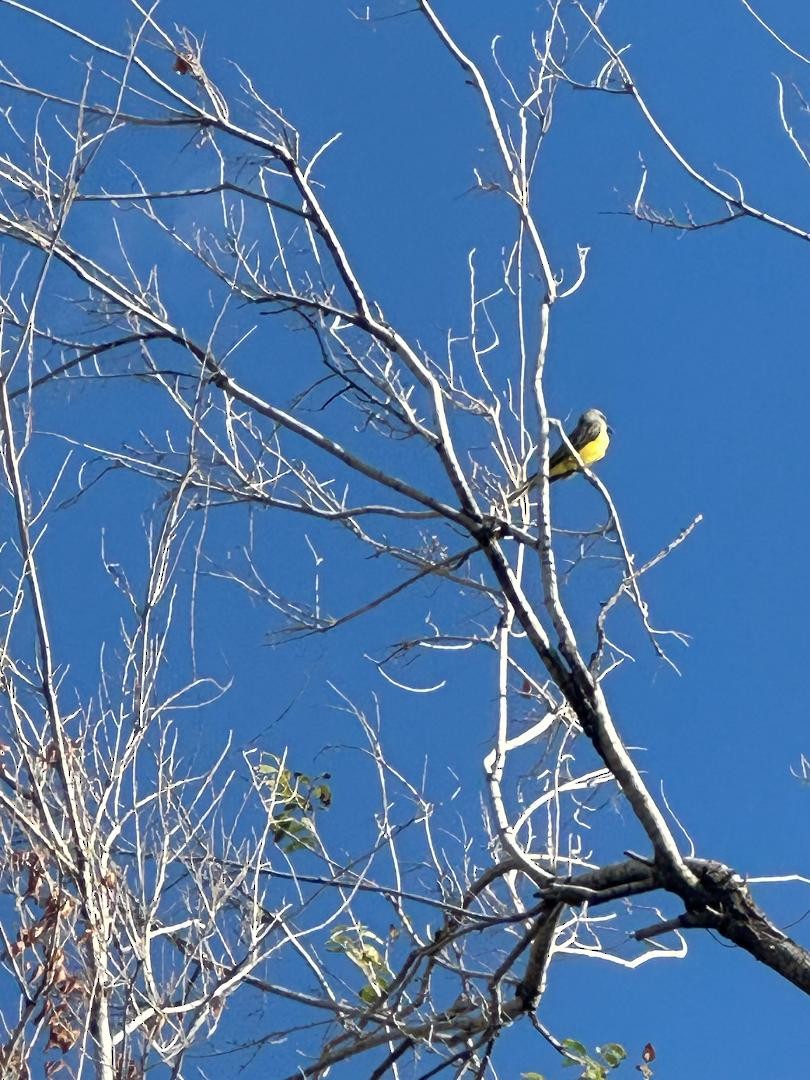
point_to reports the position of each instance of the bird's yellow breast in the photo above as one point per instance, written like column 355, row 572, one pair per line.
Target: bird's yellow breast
column 597, row 448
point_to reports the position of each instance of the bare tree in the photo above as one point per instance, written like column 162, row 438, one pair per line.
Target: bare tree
column 151, row 899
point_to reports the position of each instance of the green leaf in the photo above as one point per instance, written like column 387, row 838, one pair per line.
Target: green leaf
column 295, row 845
column 323, row 794
column 532, row 1076
column 613, row 1053
column 594, row 1071
column 572, row 1046
column 295, row 827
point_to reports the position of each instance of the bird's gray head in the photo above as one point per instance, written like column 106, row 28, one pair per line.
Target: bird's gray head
column 593, row 416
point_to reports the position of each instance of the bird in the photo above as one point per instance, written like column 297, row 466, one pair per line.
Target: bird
column 590, row 438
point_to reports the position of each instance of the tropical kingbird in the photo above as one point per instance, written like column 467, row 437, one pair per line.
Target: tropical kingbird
column 590, row 438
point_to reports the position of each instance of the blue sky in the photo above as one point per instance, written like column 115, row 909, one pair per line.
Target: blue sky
column 694, row 345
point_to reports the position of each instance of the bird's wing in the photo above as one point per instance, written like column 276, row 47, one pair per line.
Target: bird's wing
column 560, row 455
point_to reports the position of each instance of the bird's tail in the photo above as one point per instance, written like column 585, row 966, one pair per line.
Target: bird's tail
column 519, row 492
column 527, row 485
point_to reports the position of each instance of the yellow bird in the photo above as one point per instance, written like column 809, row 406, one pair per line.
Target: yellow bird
column 590, row 438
